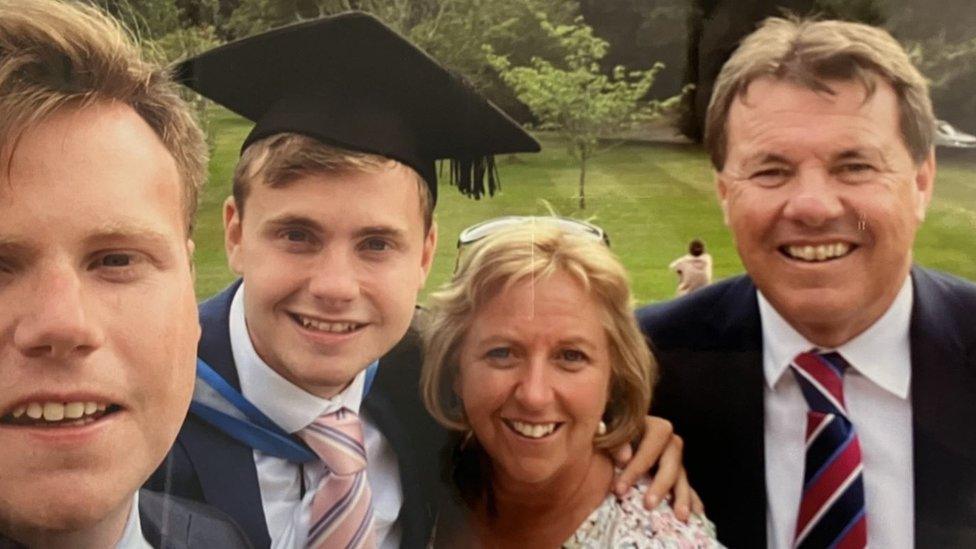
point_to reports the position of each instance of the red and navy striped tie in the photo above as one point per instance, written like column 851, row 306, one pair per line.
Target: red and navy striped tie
column 832, row 512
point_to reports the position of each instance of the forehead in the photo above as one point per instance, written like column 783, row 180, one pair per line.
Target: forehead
column 384, row 196
column 783, row 117
column 559, row 299
column 96, row 166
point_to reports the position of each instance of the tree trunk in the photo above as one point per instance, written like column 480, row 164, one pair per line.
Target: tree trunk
column 582, row 194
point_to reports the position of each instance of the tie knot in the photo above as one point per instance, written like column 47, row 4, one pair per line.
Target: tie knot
column 821, row 378
column 337, row 439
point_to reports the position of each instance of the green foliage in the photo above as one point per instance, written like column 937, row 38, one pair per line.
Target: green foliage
column 951, row 70
column 574, row 96
column 165, row 37
column 254, row 16
column 452, row 31
column 182, row 43
column 147, row 19
column 456, row 32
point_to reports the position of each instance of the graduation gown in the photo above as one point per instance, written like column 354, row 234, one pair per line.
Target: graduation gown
column 209, row 466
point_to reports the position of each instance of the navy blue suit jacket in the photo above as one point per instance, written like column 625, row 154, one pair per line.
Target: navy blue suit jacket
column 206, row 465
column 709, row 346
column 174, row 523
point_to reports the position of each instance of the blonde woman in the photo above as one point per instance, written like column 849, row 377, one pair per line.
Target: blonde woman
column 533, row 355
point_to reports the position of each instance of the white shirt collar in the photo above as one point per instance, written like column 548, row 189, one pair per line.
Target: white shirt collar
column 132, row 537
column 881, row 353
column 288, row 405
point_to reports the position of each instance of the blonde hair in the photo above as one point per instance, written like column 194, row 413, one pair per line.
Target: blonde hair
column 283, row 157
column 811, row 53
column 56, row 55
column 537, row 250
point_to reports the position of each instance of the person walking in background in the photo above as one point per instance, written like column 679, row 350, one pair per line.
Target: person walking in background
column 694, row 269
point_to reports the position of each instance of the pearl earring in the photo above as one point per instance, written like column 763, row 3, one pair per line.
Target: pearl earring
column 601, row 428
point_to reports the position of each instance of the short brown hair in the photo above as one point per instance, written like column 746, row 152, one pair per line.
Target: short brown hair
column 283, row 157
column 536, row 251
column 810, row 53
column 56, row 54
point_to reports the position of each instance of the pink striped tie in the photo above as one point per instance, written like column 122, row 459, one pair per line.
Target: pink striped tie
column 342, row 510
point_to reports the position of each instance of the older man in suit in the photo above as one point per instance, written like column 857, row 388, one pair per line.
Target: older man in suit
column 100, row 165
column 827, row 397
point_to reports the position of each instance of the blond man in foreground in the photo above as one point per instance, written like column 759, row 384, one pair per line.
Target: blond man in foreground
column 100, row 165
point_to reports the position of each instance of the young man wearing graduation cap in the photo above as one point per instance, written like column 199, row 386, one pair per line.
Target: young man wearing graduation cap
column 330, row 226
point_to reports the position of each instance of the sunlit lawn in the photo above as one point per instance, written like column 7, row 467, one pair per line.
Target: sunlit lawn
column 652, row 199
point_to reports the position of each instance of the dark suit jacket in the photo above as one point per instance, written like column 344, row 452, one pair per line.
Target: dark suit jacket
column 206, row 465
column 169, row 522
column 709, row 346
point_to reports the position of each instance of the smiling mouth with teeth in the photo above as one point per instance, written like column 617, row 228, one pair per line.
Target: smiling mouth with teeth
column 532, row 430
column 57, row 414
column 818, row 253
column 327, row 327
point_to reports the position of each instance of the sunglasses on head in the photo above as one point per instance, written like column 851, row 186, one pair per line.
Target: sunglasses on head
column 478, row 231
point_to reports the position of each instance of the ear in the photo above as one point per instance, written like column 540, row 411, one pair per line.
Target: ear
column 191, row 247
column 924, row 182
column 722, row 189
column 427, row 254
column 233, row 235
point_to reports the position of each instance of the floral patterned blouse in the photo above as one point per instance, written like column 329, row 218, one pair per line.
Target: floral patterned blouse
column 620, row 524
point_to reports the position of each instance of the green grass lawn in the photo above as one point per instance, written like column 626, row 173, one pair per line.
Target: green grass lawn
column 652, row 199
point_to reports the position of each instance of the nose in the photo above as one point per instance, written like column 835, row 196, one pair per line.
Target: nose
column 335, row 276
column 56, row 321
column 534, row 390
column 815, row 200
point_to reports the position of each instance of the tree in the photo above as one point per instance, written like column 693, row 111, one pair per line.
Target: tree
column 452, row 31
column 574, row 97
column 949, row 66
column 165, row 37
column 457, row 31
column 254, row 16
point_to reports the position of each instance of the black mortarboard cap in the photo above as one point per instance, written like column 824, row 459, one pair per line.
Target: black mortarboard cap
column 350, row 81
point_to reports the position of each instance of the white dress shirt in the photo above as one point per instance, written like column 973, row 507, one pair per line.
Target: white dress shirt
column 132, row 537
column 876, row 390
column 292, row 408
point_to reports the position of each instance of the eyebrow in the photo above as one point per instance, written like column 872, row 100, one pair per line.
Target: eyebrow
column 107, row 234
column 849, row 154
column 577, row 340
column 14, row 247
column 765, row 158
column 291, row 220
column 127, row 232
column 380, row 230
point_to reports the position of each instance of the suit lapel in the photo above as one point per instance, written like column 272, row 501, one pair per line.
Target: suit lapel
column 412, row 515
column 394, row 407
column 224, row 467
column 710, row 348
column 943, row 412
column 742, row 389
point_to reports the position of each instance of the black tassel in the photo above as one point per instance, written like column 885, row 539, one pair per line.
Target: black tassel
column 469, row 176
